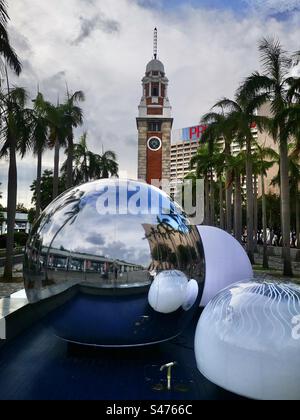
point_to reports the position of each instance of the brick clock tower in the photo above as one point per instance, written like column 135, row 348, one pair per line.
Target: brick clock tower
column 154, row 123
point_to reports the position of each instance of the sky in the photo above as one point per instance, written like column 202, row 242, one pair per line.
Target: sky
column 102, row 47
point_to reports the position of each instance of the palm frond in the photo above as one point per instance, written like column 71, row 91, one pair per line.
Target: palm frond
column 293, row 91
column 274, row 59
column 227, row 104
column 256, row 102
column 10, row 55
column 212, row 117
column 77, row 96
column 3, row 12
column 254, row 85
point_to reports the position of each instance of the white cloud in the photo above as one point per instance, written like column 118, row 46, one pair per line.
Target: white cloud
column 274, row 6
column 206, row 55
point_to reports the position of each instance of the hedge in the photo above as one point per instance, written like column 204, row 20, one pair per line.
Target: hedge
column 20, row 239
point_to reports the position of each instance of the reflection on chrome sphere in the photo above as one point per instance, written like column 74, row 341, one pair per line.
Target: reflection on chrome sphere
column 123, row 262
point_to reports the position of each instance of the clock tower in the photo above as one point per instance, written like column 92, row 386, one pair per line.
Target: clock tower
column 154, row 123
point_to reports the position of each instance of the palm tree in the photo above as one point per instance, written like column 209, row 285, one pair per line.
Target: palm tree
column 295, row 179
column 57, row 139
column 294, row 183
column 81, row 156
column 292, row 114
column 236, row 166
column 89, row 165
column 202, row 162
column 73, row 117
column 240, row 118
column 218, row 162
column 81, row 168
column 264, row 159
column 275, row 85
column 40, row 133
column 297, row 207
column 14, row 130
column 1, row 214
column 104, row 166
column 221, row 188
column 6, row 50
column 220, row 127
column 46, row 188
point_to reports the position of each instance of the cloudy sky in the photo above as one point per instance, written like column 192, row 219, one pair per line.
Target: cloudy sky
column 103, row 46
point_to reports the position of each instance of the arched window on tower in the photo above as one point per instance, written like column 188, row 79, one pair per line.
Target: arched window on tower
column 155, row 89
column 154, row 126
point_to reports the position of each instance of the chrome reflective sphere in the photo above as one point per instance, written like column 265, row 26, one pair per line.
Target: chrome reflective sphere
column 122, row 261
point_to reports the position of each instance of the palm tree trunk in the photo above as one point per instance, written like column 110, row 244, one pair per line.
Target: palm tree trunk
column 38, row 185
column 221, row 203
column 250, row 206
column 255, row 209
column 206, row 194
column 238, row 208
column 69, row 180
column 11, row 210
column 285, row 209
column 228, row 193
column 86, row 169
column 212, row 200
column 298, row 218
column 228, row 199
column 56, row 169
column 264, row 223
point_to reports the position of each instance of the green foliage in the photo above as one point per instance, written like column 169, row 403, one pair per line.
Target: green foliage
column 46, row 188
column 6, row 51
column 31, row 215
column 88, row 166
column 21, row 208
column 273, row 212
column 20, row 239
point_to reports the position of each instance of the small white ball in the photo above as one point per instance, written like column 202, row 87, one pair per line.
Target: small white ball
column 168, row 291
column 191, row 294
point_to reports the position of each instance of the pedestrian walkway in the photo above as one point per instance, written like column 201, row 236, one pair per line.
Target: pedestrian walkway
column 7, row 289
column 276, row 263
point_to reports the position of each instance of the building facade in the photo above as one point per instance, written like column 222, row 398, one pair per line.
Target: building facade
column 187, row 141
column 21, row 224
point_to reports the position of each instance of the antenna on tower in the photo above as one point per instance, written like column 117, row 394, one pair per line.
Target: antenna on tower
column 155, row 44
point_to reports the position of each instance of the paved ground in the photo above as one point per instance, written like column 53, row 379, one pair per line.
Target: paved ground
column 275, row 263
column 6, row 289
column 17, row 259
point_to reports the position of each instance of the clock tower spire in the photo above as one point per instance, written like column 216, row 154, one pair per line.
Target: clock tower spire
column 154, row 122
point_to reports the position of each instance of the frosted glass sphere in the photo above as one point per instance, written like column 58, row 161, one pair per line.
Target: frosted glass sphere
column 248, row 340
column 101, row 251
column 167, row 292
column 226, row 261
column 191, row 294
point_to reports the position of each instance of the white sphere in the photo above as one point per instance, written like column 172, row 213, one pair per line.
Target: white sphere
column 226, row 261
column 168, row 290
column 191, row 295
column 248, row 340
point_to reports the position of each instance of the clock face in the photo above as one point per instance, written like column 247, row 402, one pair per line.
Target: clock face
column 154, row 143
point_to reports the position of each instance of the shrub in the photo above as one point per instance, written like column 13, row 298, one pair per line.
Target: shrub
column 20, row 239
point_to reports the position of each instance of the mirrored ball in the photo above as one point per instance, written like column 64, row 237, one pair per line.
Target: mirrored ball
column 116, row 259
